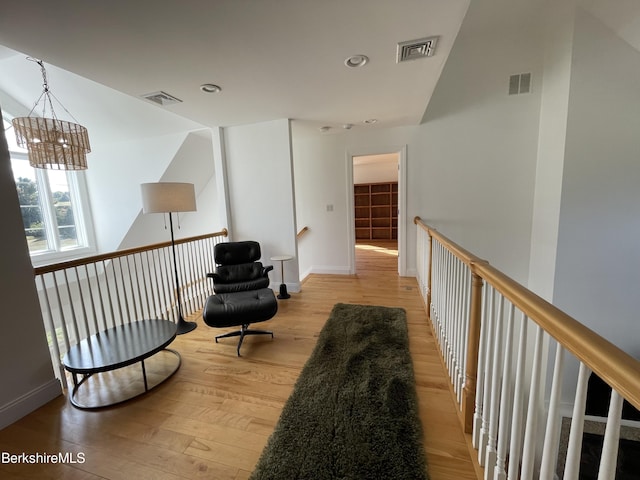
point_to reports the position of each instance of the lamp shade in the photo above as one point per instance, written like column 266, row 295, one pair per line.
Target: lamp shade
column 166, row 197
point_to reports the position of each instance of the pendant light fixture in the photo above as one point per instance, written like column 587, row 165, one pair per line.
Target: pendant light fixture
column 51, row 143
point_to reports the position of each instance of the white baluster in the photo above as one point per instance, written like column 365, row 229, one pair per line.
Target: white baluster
column 552, row 433
column 492, row 438
column 478, row 411
column 94, row 314
column 435, row 282
column 518, row 405
column 572, row 464
column 420, row 257
column 448, row 318
column 463, row 332
column 488, row 379
column 465, row 329
column 101, row 310
column 134, row 303
column 505, row 401
column 441, row 300
column 72, row 308
column 530, row 432
column 609, row 458
column 52, row 331
column 107, row 282
column 427, row 257
column 457, row 329
column 455, row 323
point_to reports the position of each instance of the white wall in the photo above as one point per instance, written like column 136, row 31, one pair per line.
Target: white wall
column 26, row 374
column 321, row 177
column 470, row 165
column 479, row 144
column 261, row 195
column 597, row 276
column 114, row 176
column 376, row 171
column 192, row 163
column 551, row 146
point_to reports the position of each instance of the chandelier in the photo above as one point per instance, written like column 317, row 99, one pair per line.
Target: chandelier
column 51, row 143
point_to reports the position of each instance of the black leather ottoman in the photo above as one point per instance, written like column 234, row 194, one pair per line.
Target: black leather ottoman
column 240, row 309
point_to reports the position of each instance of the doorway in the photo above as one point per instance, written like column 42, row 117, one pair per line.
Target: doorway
column 377, row 202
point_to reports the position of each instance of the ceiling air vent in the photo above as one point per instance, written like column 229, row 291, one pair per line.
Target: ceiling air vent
column 422, row 48
column 161, row 98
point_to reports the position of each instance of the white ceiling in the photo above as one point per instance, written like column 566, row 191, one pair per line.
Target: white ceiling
column 378, row 158
column 272, row 58
column 621, row 16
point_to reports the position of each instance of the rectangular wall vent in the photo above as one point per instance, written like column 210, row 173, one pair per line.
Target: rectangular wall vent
column 413, row 49
column 520, row 83
column 161, row 98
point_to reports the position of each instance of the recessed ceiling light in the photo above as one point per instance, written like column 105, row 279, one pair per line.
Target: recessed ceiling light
column 355, row 61
column 210, row 88
column 370, row 121
column 324, row 129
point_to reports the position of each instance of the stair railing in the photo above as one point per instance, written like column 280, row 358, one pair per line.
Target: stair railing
column 81, row 297
column 498, row 340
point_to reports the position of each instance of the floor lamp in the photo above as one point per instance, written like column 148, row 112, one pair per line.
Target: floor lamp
column 169, row 197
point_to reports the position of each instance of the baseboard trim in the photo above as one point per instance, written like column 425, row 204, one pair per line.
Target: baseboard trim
column 291, row 287
column 330, row 270
column 16, row 409
column 324, row 271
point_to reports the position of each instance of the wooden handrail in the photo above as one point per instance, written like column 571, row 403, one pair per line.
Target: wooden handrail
column 619, row 369
column 121, row 253
column 475, row 314
column 467, row 257
column 302, row 231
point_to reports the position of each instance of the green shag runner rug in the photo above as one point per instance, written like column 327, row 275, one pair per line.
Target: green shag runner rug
column 353, row 412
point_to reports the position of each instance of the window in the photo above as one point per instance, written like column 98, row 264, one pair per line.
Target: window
column 51, row 202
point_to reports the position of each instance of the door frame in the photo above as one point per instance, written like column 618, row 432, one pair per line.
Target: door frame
column 401, row 151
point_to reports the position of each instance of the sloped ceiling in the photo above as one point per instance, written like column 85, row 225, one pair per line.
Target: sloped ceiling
column 621, row 16
column 272, row 58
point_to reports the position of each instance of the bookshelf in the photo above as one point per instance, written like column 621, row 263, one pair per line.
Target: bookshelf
column 376, row 210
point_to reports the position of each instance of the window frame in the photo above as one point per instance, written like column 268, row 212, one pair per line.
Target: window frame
column 83, row 220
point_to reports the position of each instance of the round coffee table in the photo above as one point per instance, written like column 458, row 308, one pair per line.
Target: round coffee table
column 116, row 348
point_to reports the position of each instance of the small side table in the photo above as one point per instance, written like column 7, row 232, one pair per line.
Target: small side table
column 283, row 287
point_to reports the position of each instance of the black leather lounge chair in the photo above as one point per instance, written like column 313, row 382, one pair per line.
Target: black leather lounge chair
column 238, row 267
column 242, row 295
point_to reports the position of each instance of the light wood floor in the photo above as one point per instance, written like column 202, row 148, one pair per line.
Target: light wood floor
column 212, row 418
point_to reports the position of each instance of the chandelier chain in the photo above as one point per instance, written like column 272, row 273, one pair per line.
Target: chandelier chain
column 48, row 94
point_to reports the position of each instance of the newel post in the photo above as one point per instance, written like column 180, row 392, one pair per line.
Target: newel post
column 473, row 345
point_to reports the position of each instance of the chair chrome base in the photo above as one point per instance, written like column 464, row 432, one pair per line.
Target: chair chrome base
column 243, row 332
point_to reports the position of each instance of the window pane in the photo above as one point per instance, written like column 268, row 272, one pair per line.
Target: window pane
column 63, row 208
column 30, row 205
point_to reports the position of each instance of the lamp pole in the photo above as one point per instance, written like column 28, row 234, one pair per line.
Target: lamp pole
column 183, row 326
column 171, row 197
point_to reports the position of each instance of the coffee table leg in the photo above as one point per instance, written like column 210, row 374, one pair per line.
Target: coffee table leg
column 144, row 376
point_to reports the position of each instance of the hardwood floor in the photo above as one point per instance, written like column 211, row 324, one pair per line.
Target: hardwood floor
column 213, row 417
